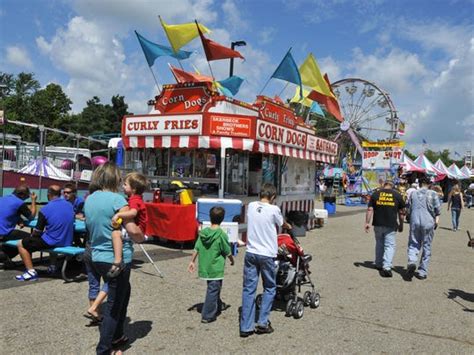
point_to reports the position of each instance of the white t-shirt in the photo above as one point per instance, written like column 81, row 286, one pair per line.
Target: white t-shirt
column 262, row 221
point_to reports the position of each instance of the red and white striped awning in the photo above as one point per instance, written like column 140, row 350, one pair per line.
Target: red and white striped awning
column 213, row 142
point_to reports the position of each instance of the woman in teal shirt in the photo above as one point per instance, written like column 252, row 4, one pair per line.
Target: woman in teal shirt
column 99, row 209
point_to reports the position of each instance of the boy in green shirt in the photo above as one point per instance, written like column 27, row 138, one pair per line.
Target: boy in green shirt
column 213, row 247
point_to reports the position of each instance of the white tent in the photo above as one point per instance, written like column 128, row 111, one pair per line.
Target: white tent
column 453, row 168
column 43, row 168
column 409, row 165
column 466, row 171
column 440, row 166
column 424, row 162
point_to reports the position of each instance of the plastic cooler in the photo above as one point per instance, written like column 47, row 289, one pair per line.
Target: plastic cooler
column 330, row 207
column 233, row 209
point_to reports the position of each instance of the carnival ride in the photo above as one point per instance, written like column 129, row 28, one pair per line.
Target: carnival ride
column 368, row 115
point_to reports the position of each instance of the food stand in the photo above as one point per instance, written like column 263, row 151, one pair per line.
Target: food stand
column 228, row 147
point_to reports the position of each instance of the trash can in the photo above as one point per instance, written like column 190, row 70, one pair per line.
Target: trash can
column 330, row 204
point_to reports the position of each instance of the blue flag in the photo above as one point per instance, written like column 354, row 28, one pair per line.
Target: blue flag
column 232, row 84
column 456, row 153
column 315, row 108
column 153, row 50
column 424, row 141
column 288, row 71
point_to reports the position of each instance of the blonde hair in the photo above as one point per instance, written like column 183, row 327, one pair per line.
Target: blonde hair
column 137, row 182
column 456, row 189
column 106, row 177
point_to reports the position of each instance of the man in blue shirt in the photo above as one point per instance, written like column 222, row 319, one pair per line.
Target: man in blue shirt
column 70, row 194
column 55, row 228
column 12, row 208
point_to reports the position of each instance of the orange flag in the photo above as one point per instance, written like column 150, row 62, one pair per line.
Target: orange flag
column 182, row 76
column 332, row 106
column 215, row 51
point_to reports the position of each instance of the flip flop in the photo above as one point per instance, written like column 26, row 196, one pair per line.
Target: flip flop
column 93, row 323
column 92, row 317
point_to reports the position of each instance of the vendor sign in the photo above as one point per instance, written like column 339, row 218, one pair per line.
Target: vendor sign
column 273, row 133
column 380, row 160
column 154, row 125
column 383, row 144
column 320, row 145
column 182, row 99
column 232, row 126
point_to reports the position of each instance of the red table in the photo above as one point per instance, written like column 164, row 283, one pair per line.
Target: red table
column 171, row 221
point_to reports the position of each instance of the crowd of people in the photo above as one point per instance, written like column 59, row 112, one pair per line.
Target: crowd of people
column 115, row 222
column 420, row 206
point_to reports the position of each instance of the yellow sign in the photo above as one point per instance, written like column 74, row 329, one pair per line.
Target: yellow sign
column 386, row 144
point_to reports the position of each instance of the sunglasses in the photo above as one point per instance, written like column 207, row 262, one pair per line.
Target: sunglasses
column 67, row 192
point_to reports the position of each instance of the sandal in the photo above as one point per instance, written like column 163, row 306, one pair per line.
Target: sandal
column 93, row 317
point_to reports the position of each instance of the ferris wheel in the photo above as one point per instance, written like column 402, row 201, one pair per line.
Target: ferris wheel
column 368, row 115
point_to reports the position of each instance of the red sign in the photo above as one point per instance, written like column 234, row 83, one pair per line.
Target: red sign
column 321, row 145
column 273, row 133
column 182, row 99
column 225, row 125
column 157, row 125
column 275, row 113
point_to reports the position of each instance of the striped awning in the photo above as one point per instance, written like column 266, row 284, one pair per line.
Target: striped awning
column 213, row 142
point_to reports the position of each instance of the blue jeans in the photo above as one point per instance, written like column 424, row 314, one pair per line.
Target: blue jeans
column 115, row 310
column 254, row 265
column 93, row 277
column 384, row 246
column 419, row 238
column 455, row 214
column 212, row 303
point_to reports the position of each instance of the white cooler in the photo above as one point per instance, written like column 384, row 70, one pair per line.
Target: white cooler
column 321, row 216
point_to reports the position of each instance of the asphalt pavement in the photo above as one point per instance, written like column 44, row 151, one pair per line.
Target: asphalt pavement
column 360, row 311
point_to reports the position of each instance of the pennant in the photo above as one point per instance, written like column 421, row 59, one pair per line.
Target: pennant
column 153, row 50
column 179, row 35
column 288, row 71
column 315, row 108
column 311, row 76
column 224, row 91
column 329, row 103
column 182, row 76
column 304, row 101
column 456, row 153
column 231, row 84
column 424, row 141
column 215, row 51
column 401, row 128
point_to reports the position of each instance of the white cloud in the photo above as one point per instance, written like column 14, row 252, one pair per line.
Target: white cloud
column 267, row 34
column 233, row 17
column 19, row 57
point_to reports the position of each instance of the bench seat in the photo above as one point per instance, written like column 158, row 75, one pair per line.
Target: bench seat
column 69, row 252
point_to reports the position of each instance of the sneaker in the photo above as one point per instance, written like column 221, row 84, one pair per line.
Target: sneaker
column 386, row 273
column 410, row 270
column 264, row 330
column 421, row 277
column 207, row 321
column 246, row 334
column 28, row 275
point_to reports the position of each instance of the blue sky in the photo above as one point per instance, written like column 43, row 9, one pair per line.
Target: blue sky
column 420, row 52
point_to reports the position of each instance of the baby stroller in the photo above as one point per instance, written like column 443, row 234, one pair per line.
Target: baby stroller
column 293, row 274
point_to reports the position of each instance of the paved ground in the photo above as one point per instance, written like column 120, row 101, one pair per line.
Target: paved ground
column 360, row 311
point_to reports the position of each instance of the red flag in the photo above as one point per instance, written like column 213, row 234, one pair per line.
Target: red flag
column 215, row 51
column 332, row 106
column 182, row 76
column 330, row 103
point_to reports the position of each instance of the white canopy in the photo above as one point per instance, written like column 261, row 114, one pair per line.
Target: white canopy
column 453, row 168
column 43, row 168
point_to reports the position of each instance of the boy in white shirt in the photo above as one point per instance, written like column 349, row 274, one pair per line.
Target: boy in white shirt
column 262, row 246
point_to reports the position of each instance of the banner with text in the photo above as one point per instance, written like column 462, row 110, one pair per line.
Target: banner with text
column 156, row 125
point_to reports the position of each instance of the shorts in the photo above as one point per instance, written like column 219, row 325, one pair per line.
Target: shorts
column 33, row 244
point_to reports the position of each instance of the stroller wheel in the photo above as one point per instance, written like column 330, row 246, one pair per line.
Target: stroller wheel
column 315, row 300
column 307, row 298
column 290, row 305
column 258, row 301
column 298, row 310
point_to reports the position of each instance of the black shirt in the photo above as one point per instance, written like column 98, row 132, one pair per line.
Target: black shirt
column 386, row 204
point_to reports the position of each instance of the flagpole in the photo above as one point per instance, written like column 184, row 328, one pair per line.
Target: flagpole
column 284, row 88
column 265, row 86
column 156, row 81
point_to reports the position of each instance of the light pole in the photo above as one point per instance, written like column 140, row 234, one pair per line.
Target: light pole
column 4, row 126
column 232, row 46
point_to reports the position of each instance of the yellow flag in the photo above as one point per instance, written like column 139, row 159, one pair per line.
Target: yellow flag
column 297, row 98
column 179, row 35
column 311, row 76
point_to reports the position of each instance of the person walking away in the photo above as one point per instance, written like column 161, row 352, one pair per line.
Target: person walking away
column 13, row 209
column 212, row 247
column 456, row 203
column 424, row 218
column 262, row 247
column 99, row 209
column 385, row 210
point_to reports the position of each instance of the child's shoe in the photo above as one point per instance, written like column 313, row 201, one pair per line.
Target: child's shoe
column 28, row 275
